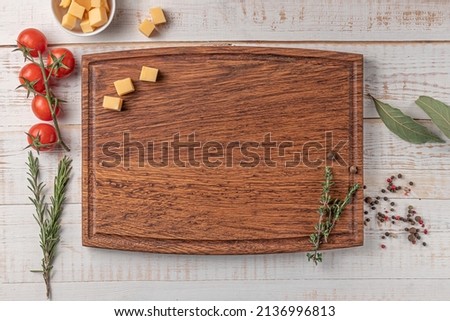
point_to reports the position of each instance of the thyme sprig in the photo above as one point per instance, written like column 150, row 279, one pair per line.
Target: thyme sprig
column 48, row 217
column 329, row 211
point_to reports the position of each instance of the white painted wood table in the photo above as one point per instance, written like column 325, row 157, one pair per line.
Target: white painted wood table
column 406, row 45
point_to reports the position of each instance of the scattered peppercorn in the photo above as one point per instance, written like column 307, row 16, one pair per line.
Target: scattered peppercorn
column 411, row 183
column 424, row 243
column 399, row 176
column 365, row 212
column 383, row 246
column 373, row 207
column 385, row 198
column 392, row 203
column 383, row 191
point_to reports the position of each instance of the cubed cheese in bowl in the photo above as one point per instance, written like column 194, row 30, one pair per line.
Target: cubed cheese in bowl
column 84, row 17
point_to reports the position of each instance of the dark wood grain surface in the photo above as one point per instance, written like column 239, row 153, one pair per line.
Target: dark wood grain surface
column 225, row 96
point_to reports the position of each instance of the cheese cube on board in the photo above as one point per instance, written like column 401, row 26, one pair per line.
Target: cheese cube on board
column 98, row 17
column 146, row 27
column 68, row 21
column 148, row 74
column 113, row 103
column 76, row 10
column 86, row 26
column 157, row 15
column 65, row 3
column 124, row 86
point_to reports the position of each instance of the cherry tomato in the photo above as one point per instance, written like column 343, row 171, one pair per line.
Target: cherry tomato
column 32, row 72
column 41, row 108
column 34, row 40
column 46, row 134
column 68, row 61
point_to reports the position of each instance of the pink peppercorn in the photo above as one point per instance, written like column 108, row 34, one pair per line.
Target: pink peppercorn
column 425, row 231
column 383, row 246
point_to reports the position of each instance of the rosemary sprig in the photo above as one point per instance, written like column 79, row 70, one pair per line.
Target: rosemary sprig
column 330, row 211
column 48, row 217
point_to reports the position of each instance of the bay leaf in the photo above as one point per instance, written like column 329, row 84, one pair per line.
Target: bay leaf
column 403, row 125
column 438, row 112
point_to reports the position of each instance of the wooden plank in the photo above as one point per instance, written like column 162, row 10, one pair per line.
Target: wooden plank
column 80, row 264
column 244, row 20
column 384, row 155
column 246, row 92
column 288, row 290
column 397, row 74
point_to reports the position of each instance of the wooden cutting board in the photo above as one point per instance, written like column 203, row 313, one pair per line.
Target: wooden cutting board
column 225, row 153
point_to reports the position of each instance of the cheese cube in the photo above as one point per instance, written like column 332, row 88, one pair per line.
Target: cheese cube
column 97, row 17
column 113, row 103
column 96, row 3
column 85, row 3
column 86, row 26
column 105, row 5
column 76, row 10
column 146, row 27
column 68, row 21
column 157, row 15
column 124, row 86
column 65, row 3
column 148, row 74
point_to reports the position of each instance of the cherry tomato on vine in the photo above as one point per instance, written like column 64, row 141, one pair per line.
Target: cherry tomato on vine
column 34, row 40
column 68, row 62
column 42, row 134
column 41, row 108
column 32, row 72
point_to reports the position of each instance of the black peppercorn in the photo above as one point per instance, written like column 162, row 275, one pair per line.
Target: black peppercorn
column 383, row 191
column 392, row 203
column 411, row 183
column 399, row 175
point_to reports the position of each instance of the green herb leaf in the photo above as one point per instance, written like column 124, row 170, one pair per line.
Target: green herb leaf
column 403, row 125
column 438, row 112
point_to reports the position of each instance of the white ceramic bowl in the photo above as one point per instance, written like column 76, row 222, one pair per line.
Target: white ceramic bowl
column 59, row 12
